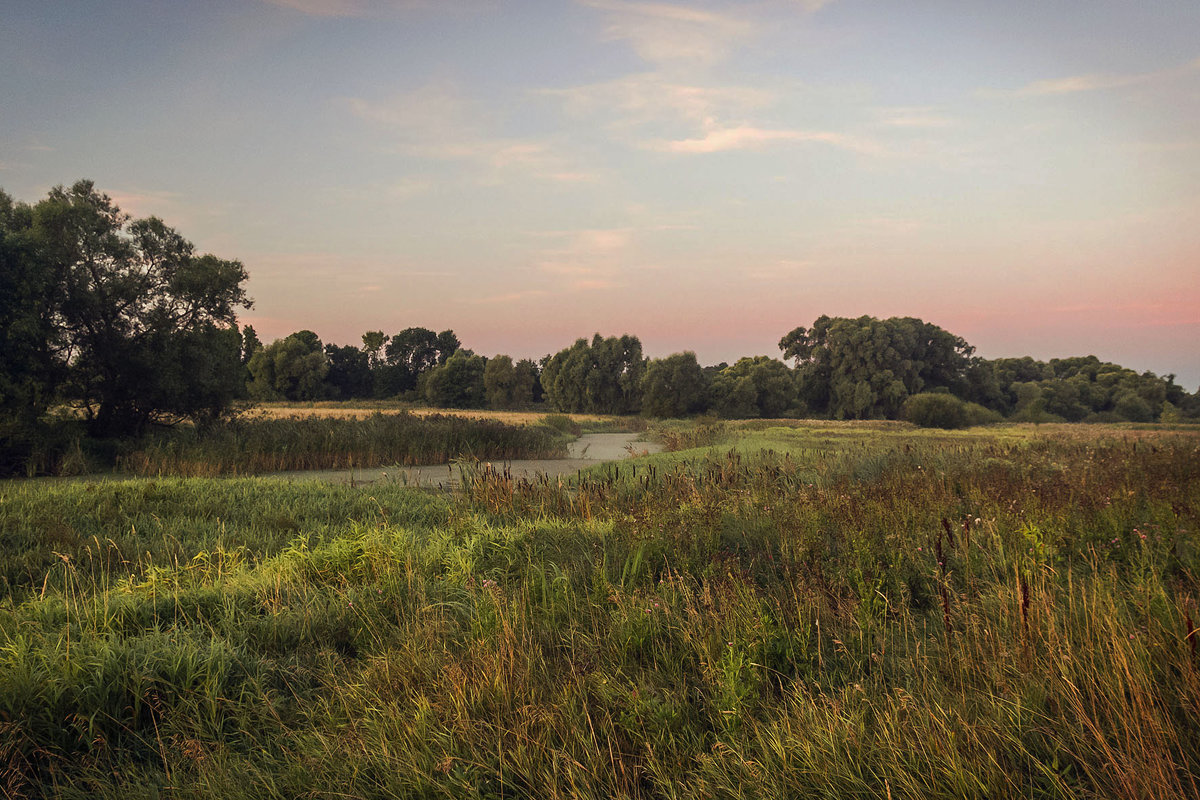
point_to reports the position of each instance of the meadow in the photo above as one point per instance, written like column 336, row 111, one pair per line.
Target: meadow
column 772, row 609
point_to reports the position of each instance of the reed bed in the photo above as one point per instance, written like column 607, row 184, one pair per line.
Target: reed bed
column 257, row 445
column 931, row 617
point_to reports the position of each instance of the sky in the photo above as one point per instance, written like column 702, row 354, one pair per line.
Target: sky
column 704, row 175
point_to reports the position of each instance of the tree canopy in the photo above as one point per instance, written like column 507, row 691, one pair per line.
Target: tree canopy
column 864, row 368
column 754, row 387
column 120, row 316
column 674, row 386
column 292, row 368
column 408, row 355
column 602, row 377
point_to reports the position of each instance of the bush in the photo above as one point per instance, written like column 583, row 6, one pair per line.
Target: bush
column 980, row 415
column 1133, row 408
column 935, row 410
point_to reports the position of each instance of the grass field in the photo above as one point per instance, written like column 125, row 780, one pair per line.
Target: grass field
column 772, row 610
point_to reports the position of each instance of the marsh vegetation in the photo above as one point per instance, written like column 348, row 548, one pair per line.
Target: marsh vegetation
column 769, row 610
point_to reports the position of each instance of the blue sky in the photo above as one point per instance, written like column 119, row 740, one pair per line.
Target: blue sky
column 706, row 175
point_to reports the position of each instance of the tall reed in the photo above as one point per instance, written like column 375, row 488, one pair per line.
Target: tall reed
column 256, row 445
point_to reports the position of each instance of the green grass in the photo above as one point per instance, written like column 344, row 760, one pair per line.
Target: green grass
column 807, row 610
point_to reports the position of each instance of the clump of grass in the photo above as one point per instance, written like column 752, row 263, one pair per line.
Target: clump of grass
column 683, row 436
column 563, row 424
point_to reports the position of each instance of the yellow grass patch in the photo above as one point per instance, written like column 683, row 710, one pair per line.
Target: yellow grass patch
column 358, row 411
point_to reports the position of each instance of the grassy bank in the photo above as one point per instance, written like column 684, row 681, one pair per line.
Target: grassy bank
column 785, row 613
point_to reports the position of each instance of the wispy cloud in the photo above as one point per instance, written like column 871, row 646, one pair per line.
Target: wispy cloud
column 506, row 297
column 653, row 97
column 437, row 122
column 665, row 33
column 751, row 138
column 587, row 260
column 1098, row 81
column 914, row 117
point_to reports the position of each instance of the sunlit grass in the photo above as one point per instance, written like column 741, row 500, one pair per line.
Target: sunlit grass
column 800, row 611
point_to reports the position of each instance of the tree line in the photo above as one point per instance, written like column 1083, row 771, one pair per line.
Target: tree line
column 125, row 323
column 843, row 368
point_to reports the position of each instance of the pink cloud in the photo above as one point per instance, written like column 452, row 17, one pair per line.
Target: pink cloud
column 748, row 138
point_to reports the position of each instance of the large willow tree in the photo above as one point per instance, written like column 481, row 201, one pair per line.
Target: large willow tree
column 865, row 368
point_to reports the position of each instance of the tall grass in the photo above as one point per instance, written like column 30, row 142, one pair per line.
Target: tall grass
column 925, row 617
column 257, row 445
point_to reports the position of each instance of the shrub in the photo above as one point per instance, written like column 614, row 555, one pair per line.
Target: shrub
column 981, row 415
column 1133, row 408
column 935, row 410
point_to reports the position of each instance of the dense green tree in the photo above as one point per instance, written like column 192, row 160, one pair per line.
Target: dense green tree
column 349, row 373
column 864, row 368
column 602, row 377
column 141, row 326
column 674, row 386
column 250, row 343
column 310, row 339
column 564, row 377
column 1073, row 389
column 293, row 368
column 458, row 383
column 499, row 380
column 31, row 361
column 526, row 388
column 983, row 387
column 754, row 387
column 411, row 353
column 1133, row 407
column 373, row 344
